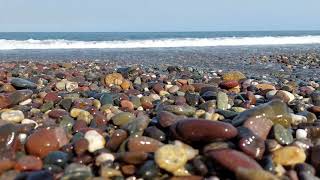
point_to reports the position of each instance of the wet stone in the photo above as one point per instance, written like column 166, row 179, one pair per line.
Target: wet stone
column 180, row 110
column 289, row 155
column 149, row 170
column 166, row 118
column 259, row 126
column 14, row 116
column 249, row 174
column 23, row 83
column 144, row 144
column 282, row 135
column 235, row 160
column 276, row 110
column 233, row 76
column 96, row 141
column 250, row 143
column 42, row 142
column 28, row 163
column 170, row 157
column 192, row 130
column 116, row 139
column 77, row 171
column 155, row 133
column 315, row 97
column 122, row 118
column 57, row 158
column 222, row 101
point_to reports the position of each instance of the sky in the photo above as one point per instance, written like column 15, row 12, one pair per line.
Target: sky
column 157, row 15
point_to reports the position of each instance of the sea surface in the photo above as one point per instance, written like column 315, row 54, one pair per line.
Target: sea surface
column 152, row 47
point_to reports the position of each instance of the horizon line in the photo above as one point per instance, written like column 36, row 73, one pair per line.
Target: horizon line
column 157, row 31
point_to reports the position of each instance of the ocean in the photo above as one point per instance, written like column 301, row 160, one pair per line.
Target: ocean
column 105, row 40
column 149, row 46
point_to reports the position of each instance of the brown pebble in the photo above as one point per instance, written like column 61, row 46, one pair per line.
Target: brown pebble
column 28, row 163
column 81, row 146
column 116, row 139
column 143, row 144
column 128, row 169
column 42, row 142
column 234, row 160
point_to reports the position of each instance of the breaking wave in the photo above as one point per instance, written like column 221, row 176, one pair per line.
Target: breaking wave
column 157, row 43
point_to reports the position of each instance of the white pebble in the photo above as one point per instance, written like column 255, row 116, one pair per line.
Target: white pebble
column 25, row 102
column 301, row 134
column 103, row 157
column 22, row 137
column 12, row 116
column 29, row 121
column 96, row 140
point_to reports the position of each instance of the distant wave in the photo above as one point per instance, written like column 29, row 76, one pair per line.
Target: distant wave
column 156, row 43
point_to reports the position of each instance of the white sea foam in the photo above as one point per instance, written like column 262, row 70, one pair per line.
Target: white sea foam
column 157, row 43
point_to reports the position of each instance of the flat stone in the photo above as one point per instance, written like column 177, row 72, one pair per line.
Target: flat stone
column 276, row 110
column 180, row 110
column 23, row 83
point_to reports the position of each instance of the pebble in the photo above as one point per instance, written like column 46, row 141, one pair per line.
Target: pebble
column 57, row 158
column 233, row 76
column 282, row 135
column 23, row 83
column 192, row 130
column 180, row 109
column 114, row 79
column 116, row 139
column 104, row 157
column 253, row 174
column 28, row 163
column 235, row 160
column 98, row 120
column 14, row 116
column 222, row 101
column 289, row 155
column 259, row 126
column 301, row 134
column 42, row 142
column 170, row 157
column 144, row 144
column 96, row 141
column 122, row 118
column 276, row 110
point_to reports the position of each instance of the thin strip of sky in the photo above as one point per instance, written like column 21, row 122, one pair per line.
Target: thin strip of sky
column 158, row 15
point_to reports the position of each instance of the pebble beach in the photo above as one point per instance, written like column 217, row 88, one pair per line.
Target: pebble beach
column 248, row 116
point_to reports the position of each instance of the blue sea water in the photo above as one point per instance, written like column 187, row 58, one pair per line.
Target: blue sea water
column 145, row 45
column 125, row 36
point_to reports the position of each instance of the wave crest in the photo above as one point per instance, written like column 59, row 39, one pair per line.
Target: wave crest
column 156, row 43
